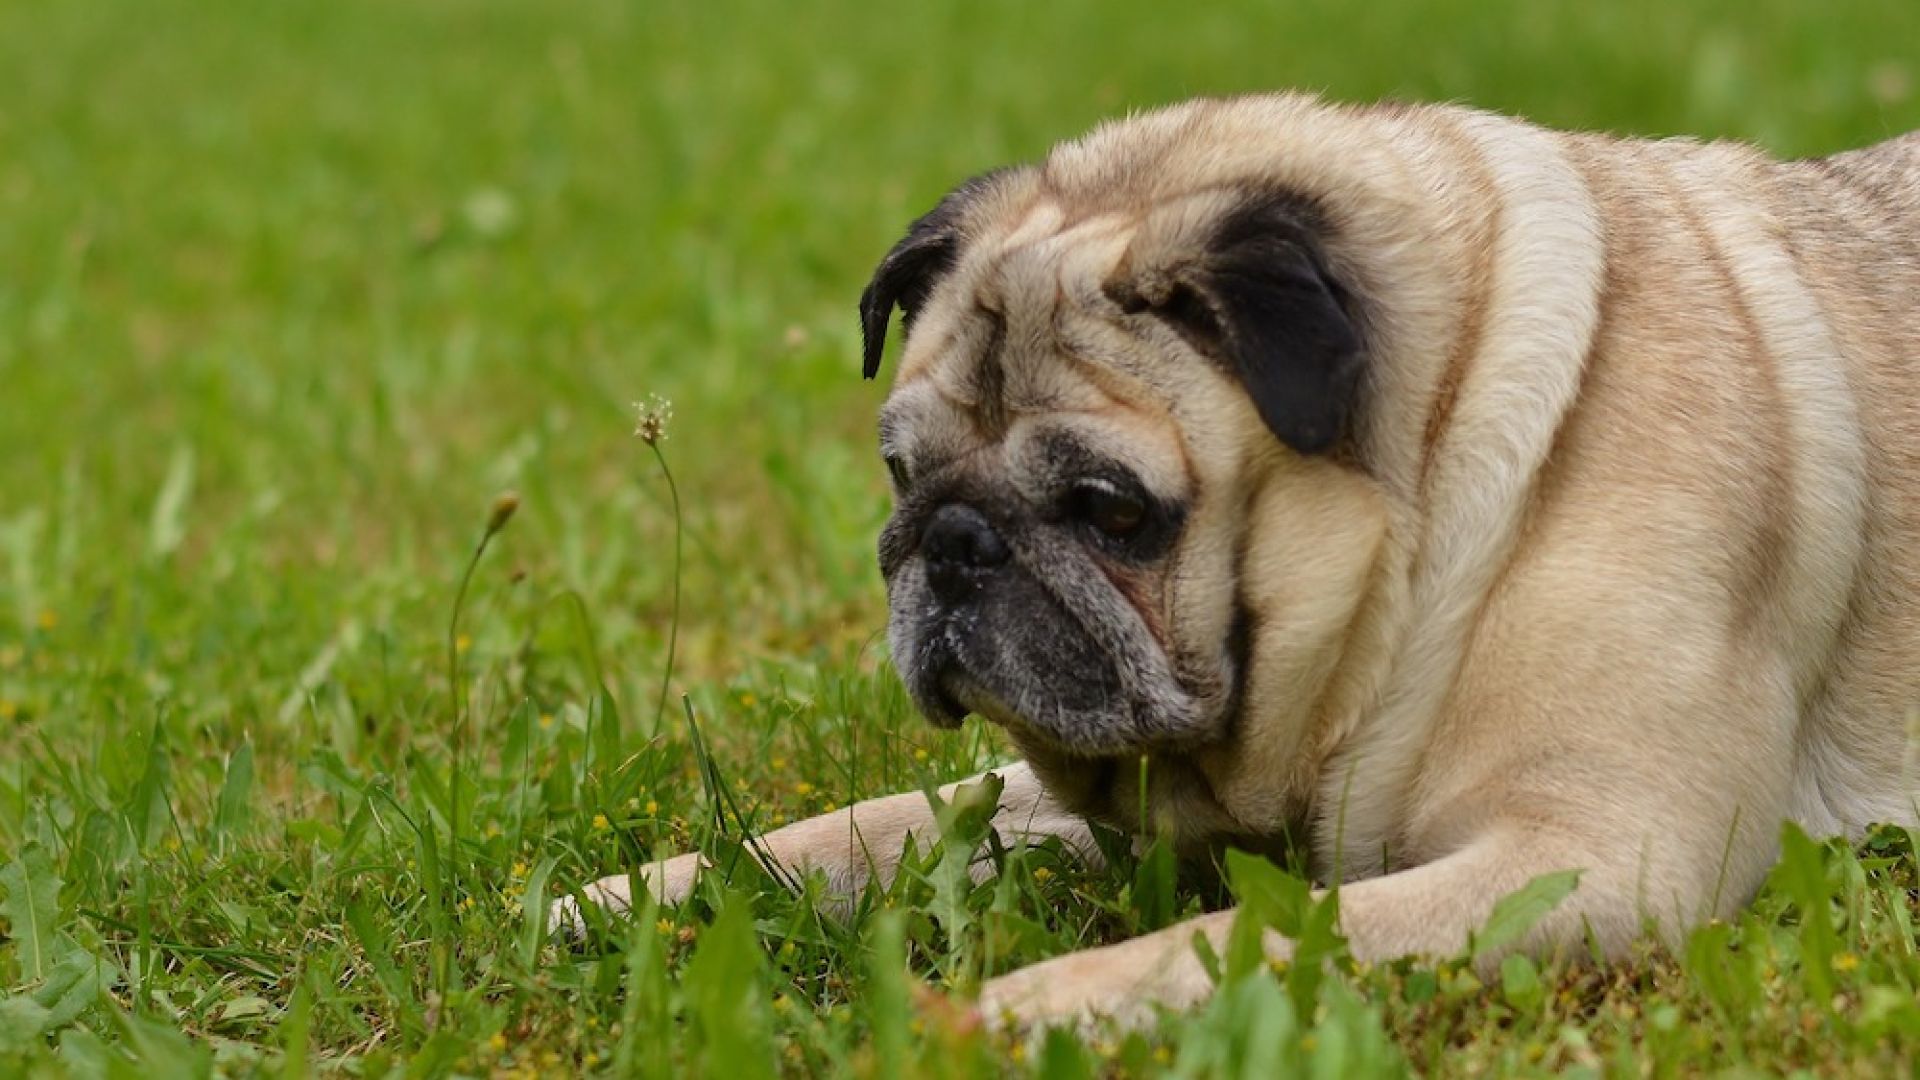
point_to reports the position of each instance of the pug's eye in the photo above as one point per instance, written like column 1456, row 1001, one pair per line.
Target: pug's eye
column 897, row 468
column 1114, row 510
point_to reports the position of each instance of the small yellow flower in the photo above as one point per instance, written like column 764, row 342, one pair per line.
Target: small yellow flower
column 749, row 700
column 781, row 1004
column 466, row 903
column 590, row 1059
column 803, row 789
column 1164, row 1056
column 600, row 823
column 779, row 764
column 1042, row 875
column 1018, row 1053
column 740, row 783
column 829, row 806
column 920, row 755
column 519, row 868
column 652, row 808
column 1846, row 961
column 493, row 829
column 546, row 720
column 48, row 619
column 497, row 1042
column 463, row 643
column 779, row 819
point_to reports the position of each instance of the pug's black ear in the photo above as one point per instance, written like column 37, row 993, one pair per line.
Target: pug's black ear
column 906, row 277
column 1260, row 302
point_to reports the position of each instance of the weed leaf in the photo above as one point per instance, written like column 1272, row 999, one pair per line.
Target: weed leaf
column 234, row 812
column 964, row 822
column 77, row 981
column 148, row 811
column 1517, row 912
column 892, row 1011
column 533, row 911
column 22, row 1020
column 729, row 1005
column 31, row 908
column 168, row 527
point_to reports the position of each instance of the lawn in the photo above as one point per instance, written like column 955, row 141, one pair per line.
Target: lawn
column 290, row 293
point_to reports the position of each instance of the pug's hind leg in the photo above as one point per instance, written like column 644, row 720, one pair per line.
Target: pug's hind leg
column 851, row 847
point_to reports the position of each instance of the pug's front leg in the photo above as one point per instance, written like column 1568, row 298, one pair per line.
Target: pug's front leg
column 1123, row 984
column 850, row 847
column 1425, row 911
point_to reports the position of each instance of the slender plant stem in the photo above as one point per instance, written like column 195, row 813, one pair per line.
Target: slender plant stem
column 459, row 689
column 673, row 624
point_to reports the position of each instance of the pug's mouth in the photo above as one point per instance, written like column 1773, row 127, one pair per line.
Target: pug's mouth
column 947, row 693
column 958, row 696
column 1080, row 711
column 955, row 694
column 962, row 695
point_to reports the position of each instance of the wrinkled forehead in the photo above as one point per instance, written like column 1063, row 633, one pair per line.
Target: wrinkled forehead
column 1018, row 292
column 1012, row 356
column 930, row 430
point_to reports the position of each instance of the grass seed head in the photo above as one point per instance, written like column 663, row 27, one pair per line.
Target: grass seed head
column 504, row 505
column 651, row 419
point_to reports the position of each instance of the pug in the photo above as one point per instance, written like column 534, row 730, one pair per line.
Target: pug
column 1472, row 500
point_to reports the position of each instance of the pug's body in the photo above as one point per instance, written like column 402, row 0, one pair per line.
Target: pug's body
column 1473, row 500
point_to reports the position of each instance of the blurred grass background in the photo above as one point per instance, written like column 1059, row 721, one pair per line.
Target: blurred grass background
column 363, row 263
column 288, row 292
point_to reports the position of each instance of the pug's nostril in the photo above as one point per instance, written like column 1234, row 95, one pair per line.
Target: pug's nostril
column 958, row 544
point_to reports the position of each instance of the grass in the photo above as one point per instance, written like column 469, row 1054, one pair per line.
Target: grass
column 290, row 292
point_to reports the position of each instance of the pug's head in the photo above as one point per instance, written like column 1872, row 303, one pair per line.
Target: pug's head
column 1120, row 439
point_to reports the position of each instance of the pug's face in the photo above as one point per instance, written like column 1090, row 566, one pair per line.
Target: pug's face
column 1030, row 572
column 1101, row 392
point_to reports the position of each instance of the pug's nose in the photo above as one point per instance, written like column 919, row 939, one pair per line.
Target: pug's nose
column 960, row 548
